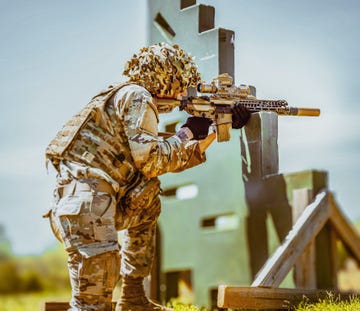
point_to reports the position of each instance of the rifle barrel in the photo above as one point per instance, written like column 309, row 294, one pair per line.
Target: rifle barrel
column 304, row 112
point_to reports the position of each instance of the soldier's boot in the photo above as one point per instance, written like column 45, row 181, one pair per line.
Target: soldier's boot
column 133, row 297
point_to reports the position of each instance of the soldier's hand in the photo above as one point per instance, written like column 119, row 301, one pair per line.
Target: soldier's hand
column 199, row 126
column 240, row 115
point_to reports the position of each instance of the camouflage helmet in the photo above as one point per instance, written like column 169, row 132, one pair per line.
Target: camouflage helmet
column 162, row 69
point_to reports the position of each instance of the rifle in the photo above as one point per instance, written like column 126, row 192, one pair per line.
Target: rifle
column 223, row 95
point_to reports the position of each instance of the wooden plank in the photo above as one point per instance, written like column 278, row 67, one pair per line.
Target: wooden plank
column 326, row 258
column 63, row 306
column 347, row 233
column 271, row 298
column 301, row 198
column 305, row 229
column 56, row 306
column 304, row 269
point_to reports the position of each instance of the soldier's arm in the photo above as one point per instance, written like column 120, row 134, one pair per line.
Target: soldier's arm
column 154, row 155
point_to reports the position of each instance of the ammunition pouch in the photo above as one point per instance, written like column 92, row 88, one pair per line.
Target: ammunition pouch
column 53, row 226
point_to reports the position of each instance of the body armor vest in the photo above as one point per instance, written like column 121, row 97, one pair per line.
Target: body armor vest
column 95, row 137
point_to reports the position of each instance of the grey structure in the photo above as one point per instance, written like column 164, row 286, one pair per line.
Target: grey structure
column 214, row 227
column 191, row 26
column 193, row 243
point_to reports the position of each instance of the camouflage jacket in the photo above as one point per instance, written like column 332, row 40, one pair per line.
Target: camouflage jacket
column 116, row 136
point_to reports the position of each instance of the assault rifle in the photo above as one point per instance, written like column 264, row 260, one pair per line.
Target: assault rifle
column 222, row 95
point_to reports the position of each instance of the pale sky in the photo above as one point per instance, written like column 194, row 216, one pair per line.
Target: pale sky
column 56, row 55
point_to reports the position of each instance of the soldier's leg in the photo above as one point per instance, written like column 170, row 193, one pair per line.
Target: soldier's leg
column 138, row 243
column 85, row 222
column 93, row 280
column 137, row 254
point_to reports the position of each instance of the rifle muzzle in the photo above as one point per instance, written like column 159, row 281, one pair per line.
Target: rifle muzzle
column 304, row 112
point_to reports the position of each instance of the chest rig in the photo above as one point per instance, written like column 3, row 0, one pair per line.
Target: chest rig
column 95, row 137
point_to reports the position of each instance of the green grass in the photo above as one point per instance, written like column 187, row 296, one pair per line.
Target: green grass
column 30, row 301
column 186, row 308
column 331, row 304
column 34, row 301
column 178, row 306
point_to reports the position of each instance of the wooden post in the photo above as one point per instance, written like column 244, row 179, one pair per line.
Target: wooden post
column 265, row 189
column 326, row 258
column 304, row 269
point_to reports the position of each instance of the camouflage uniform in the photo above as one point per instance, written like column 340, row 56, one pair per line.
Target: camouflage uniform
column 108, row 158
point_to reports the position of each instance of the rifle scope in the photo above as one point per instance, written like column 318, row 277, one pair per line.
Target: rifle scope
column 206, row 88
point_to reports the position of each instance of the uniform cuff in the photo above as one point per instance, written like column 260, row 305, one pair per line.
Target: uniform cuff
column 184, row 134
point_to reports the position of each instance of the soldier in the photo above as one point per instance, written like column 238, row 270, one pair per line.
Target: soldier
column 108, row 158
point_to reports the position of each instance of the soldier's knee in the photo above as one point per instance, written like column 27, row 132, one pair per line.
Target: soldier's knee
column 155, row 209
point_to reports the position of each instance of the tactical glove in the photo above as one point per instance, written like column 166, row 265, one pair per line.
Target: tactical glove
column 240, row 115
column 199, row 126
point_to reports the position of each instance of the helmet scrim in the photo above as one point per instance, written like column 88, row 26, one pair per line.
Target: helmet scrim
column 162, row 69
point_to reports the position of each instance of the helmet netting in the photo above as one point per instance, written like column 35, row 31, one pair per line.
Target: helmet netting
column 162, row 69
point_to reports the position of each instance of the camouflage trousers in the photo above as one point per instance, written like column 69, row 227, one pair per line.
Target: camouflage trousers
column 87, row 222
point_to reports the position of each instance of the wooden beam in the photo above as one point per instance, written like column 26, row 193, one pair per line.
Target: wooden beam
column 346, row 232
column 55, row 306
column 304, row 268
column 305, row 229
column 271, row 298
column 63, row 306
